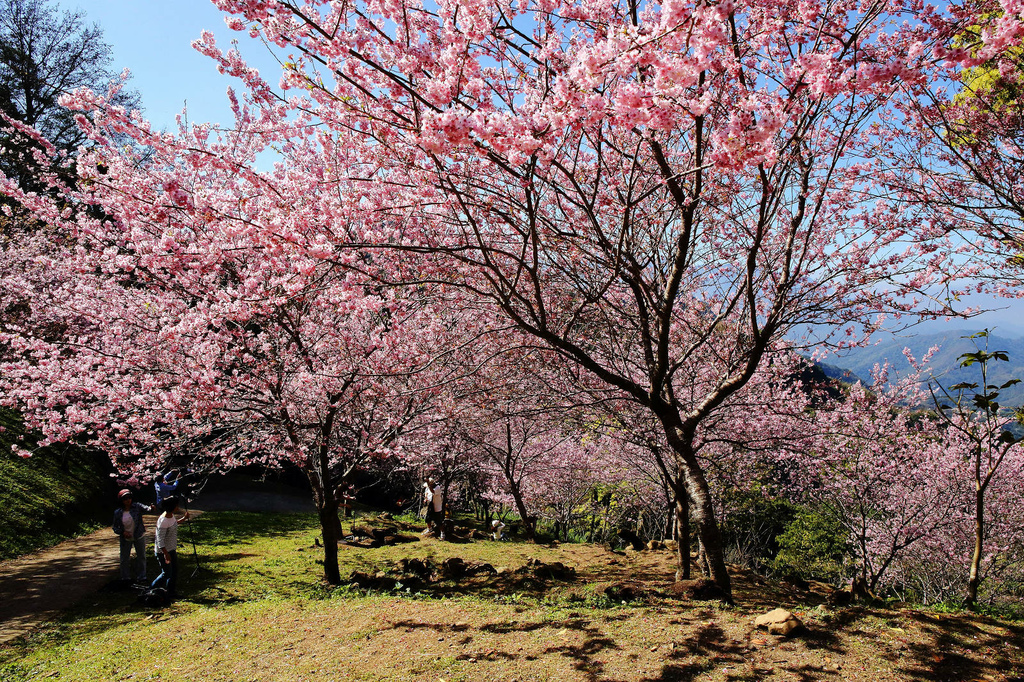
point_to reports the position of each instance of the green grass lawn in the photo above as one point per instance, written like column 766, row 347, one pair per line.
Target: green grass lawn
column 259, row 611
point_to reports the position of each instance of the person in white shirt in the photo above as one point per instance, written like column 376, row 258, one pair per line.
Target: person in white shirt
column 497, row 530
column 167, row 545
column 435, row 503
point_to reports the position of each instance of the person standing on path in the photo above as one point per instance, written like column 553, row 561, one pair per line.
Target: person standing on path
column 130, row 529
column 167, row 546
column 437, row 508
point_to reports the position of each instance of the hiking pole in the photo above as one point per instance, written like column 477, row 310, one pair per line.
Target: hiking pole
column 192, row 534
column 195, row 552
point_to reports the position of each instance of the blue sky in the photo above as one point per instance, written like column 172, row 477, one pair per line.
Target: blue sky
column 153, row 38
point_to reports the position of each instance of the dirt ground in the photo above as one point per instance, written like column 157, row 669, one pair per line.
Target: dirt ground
column 516, row 621
column 660, row 637
column 36, row 587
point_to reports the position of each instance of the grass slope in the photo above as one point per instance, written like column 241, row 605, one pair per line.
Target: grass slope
column 258, row 612
column 57, row 493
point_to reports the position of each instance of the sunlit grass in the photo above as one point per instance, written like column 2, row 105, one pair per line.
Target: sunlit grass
column 258, row 610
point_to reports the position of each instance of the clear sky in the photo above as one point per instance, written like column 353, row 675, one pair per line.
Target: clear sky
column 153, row 38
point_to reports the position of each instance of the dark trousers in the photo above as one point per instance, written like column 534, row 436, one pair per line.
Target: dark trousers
column 168, row 578
column 139, row 544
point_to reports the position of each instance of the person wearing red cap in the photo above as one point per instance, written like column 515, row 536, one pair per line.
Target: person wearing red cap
column 130, row 529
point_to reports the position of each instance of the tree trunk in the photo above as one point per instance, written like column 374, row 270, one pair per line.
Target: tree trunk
column 329, row 523
column 327, row 512
column 680, row 438
column 682, row 514
column 979, row 539
column 703, row 515
column 447, row 525
column 517, row 497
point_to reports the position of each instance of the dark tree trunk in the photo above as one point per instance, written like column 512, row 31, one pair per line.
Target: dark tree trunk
column 517, row 498
column 682, row 514
column 329, row 525
column 327, row 511
column 702, row 512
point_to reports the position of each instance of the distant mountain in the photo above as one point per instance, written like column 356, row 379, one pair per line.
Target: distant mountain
column 840, row 373
column 944, row 365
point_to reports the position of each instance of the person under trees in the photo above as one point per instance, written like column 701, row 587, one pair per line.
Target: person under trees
column 635, row 185
column 659, row 194
column 130, row 528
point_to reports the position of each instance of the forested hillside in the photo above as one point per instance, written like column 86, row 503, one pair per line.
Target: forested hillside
column 944, row 365
column 57, row 493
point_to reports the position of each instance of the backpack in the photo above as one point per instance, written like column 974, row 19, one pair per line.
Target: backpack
column 156, row 597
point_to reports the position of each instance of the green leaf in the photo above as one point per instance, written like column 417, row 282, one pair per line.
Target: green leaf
column 986, row 402
column 1009, row 438
column 979, row 335
column 962, row 386
column 1011, row 382
column 968, row 359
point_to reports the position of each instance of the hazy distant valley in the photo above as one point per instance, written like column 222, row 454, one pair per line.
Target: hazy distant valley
column 859, row 363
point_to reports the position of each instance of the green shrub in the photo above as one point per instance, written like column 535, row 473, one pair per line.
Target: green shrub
column 752, row 524
column 812, row 546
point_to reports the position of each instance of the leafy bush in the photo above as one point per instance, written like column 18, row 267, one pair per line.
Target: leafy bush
column 812, row 546
column 752, row 523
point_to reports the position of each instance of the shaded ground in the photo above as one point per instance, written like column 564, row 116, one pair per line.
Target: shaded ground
column 38, row 586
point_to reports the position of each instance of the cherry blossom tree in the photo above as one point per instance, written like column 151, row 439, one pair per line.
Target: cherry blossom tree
column 184, row 305
column 882, row 472
column 636, row 185
column 959, row 148
column 660, row 194
column 938, row 568
column 515, row 447
column 45, row 53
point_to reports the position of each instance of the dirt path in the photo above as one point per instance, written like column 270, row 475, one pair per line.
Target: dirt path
column 38, row 586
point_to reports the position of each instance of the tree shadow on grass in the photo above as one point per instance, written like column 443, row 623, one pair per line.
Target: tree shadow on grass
column 583, row 654
column 708, row 649
column 961, row 648
column 506, row 628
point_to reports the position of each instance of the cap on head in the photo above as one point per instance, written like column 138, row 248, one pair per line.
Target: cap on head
column 124, row 492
